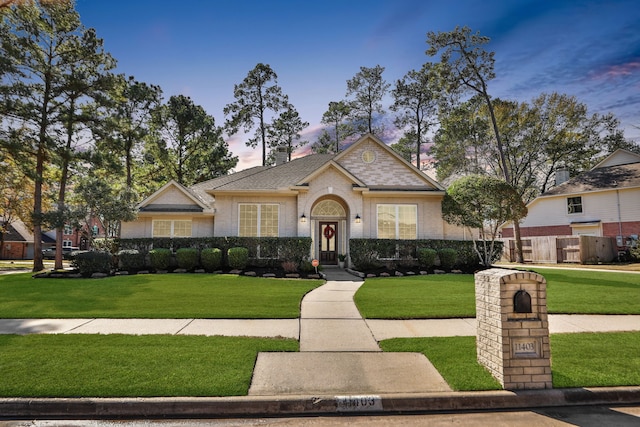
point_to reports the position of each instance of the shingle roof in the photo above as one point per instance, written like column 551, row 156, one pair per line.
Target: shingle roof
column 621, row 176
column 266, row 177
column 12, row 235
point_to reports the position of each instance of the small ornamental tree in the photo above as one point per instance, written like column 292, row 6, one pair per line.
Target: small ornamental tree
column 484, row 203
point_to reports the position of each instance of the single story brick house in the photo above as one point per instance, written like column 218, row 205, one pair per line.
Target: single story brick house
column 365, row 191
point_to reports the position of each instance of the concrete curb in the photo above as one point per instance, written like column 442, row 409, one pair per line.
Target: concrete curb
column 257, row 406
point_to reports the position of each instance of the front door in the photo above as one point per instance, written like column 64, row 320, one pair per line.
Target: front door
column 328, row 245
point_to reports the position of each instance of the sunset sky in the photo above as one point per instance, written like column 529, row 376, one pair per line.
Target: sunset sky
column 201, row 48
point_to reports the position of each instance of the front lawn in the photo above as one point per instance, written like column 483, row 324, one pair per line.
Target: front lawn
column 577, row 360
column 152, row 296
column 453, row 295
column 130, row 366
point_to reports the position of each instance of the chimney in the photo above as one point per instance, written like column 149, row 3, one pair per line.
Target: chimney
column 282, row 156
column 562, row 175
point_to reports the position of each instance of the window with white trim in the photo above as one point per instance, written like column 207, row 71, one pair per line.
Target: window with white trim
column 171, row 228
column 574, row 205
column 68, row 230
column 397, row 222
column 258, row 220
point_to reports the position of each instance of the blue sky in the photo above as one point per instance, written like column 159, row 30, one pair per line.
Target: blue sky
column 201, row 48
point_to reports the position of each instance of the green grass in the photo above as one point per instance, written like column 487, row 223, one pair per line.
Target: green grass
column 577, row 360
column 128, row 366
column 417, row 297
column 595, row 359
column 453, row 357
column 450, row 296
column 152, row 296
column 591, row 292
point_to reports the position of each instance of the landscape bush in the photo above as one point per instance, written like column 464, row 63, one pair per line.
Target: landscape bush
column 131, row 260
column 91, row 262
column 211, row 259
column 187, row 258
column 427, row 258
column 238, row 258
column 448, row 258
column 160, row 258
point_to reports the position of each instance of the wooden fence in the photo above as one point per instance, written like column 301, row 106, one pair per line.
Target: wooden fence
column 561, row 249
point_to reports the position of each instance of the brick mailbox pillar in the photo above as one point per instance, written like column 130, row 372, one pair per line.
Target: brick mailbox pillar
column 513, row 331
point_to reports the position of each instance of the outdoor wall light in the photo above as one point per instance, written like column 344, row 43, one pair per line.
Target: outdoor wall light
column 358, row 219
column 303, row 218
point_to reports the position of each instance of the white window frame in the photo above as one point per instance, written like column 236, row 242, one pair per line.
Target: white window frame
column 258, row 218
column 397, row 222
column 570, row 206
column 172, row 227
column 68, row 230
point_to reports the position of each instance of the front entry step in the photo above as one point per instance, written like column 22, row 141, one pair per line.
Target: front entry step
column 326, row 373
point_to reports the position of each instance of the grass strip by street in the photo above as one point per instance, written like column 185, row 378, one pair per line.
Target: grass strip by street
column 130, row 366
column 577, row 360
column 206, row 296
column 453, row 295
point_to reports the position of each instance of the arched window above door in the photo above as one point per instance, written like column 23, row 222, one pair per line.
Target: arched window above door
column 328, row 208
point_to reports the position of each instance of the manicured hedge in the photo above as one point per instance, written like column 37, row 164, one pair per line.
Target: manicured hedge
column 91, row 262
column 187, row 258
column 263, row 251
column 211, row 259
column 238, row 257
column 375, row 253
column 160, row 258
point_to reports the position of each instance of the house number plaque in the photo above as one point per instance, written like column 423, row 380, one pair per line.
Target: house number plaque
column 525, row 347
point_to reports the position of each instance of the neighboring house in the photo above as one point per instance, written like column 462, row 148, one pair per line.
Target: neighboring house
column 365, row 191
column 18, row 242
column 604, row 201
column 78, row 237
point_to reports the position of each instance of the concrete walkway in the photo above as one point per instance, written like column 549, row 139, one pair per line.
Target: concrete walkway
column 339, row 353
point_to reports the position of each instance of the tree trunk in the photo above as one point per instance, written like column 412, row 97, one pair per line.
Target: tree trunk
column 518, row 238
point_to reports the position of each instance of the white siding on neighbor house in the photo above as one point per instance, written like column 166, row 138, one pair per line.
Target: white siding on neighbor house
column 385, row 170
column 602, row 205
column 620, row 158
column 143, row 227
column 226, row 223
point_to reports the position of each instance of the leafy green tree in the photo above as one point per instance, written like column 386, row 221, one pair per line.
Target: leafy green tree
column 462, row 140
column 337, row 117
column 367, row 90
column 16, row 195
column 85, row 82
column 125, row 124
column 98, row 197
column 43, row 45
column 190, row 145
column 483, row 203
column 405, row 146
column 416, row 101
column 285, row 130
column 258, row 94
column 323, row 144
column 466, row 67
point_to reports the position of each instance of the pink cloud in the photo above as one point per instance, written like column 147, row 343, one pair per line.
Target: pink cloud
column 616, row 71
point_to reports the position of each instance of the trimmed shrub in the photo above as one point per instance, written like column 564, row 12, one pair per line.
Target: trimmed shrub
column 91, row 262
column 211, row 259
column 427, row 257
column 160, row 258
column 187, row 258
column 238, row 258
column 131, row 260
column 448, row 258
